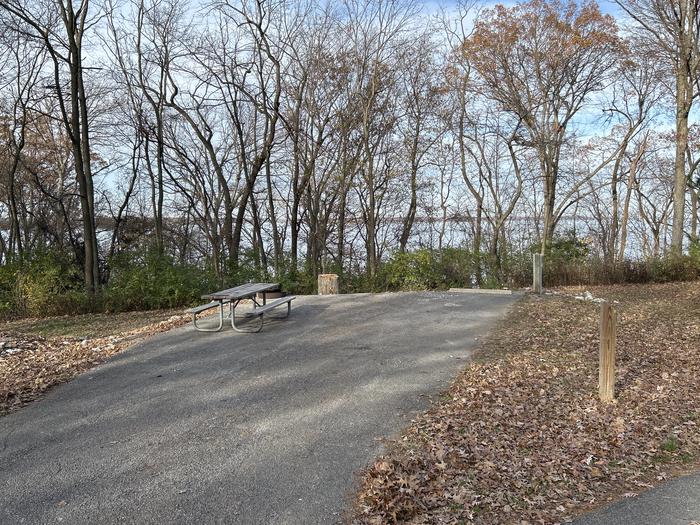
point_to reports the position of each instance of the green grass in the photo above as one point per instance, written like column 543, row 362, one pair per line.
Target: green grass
column 670, row 444
column 687, row 458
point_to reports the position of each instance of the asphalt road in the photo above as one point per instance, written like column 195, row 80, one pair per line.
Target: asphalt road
column 676, row 502
column 238, row 428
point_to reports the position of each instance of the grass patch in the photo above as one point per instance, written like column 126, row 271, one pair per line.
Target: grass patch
column 670, row 444
column 687, row 458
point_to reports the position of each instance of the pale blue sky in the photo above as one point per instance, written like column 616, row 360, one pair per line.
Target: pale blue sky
column 607, row 6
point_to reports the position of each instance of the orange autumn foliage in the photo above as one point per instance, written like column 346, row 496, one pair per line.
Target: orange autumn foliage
column 542, row 48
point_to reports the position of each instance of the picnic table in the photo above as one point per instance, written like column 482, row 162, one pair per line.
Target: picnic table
column 233, row 297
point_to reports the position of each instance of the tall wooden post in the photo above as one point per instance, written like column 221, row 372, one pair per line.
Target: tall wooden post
column 608, row 339
column 537, row 266
column 328, row 284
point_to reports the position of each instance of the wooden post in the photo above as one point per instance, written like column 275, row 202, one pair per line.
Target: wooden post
column 537, row 266
column 608, row 338
column 328, row 284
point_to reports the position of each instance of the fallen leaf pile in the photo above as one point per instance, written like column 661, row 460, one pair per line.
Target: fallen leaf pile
column 31, row 364
column 521, row 437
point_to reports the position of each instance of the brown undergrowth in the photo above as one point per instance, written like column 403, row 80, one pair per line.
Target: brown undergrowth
column 520, row 437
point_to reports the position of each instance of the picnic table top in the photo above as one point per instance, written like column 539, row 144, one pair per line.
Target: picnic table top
column 242, row 291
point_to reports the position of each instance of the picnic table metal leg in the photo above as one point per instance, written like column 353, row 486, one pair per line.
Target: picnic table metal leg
column 289, row 311
column 221, row 321
column 233, row 320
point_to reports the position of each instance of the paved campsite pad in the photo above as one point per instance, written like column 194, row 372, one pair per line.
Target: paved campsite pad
column 224, row 427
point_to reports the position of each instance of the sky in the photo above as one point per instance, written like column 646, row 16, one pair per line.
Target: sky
column 606, row 6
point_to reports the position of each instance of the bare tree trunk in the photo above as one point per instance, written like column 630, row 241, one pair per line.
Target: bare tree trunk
column 276, row 238
column 15, row 235
column 549, row 196
column 342, row 209
column 631, row 182
column 694, row 215
column 609, row 252
column 684, row 97
column 80, row 138
column 413, row 205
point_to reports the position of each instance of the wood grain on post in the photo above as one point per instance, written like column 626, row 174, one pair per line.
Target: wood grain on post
column 537, row 260
column 328, row 284
column 608, row 339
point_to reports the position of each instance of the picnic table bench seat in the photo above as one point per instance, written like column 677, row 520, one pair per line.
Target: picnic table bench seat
column 199, row 309
column 202, row 308
column 260, row 311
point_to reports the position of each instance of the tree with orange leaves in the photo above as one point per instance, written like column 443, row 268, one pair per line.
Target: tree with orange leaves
column 540, row 61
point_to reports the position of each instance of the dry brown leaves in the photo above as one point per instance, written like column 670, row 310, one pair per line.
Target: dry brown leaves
column 29, row 365
column 521, row 436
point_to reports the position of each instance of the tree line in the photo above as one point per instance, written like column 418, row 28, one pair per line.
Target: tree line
column 313, row 136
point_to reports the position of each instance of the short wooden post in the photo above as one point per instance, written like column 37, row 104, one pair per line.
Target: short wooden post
column 328, row 284
column 537, row 266
column 608, row 338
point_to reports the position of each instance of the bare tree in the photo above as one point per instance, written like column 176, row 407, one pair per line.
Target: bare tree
column 540, row 61
column 24, row 66
column 62, row 29
column 674, row 26
column 420, row 97
column 375, row 29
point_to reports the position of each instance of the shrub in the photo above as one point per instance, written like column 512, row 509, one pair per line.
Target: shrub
column 674, row 268
column 148, row 280
column 458, row 267
column 9, row 292
column 410, row 271
column 426, row 269
column 41, row 284
column 51, row 283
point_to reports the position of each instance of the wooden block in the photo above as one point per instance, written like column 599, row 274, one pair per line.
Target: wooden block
column 328, row 284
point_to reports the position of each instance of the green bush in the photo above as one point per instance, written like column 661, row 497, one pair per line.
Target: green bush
column 51, row 283
column 9, row 291
column 567, row 248
column 41, row 284
column 296, row 281
column 293, row 281
column 410, row 271
column 434, row 269
column 148, row 280
column 458, row 268
column 694, row 251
